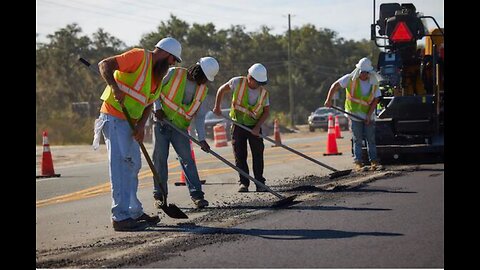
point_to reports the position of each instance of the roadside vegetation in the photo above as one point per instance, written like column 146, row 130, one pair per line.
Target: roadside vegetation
column 67, row 94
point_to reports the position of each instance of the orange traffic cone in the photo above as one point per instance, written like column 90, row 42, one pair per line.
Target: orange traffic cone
column 220, row 135
column 47, row 162
column 276, row 132
column 331, row 140
column 338, row 133
column 182, row 175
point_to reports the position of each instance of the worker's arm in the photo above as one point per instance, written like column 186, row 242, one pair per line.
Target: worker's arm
column 333, row 89
column 107, row 67
column 263, row 118
column 218, row 99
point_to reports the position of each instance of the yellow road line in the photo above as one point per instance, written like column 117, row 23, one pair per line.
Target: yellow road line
column 105, row 187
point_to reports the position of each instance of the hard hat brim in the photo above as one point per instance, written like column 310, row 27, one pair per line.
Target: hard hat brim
column 210, row 78
column 179, row 60
column 259, row 82
column 367, row 69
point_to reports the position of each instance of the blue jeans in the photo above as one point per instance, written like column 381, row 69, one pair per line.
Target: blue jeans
column 360, row 132
column 164, row 135
column 124, row 165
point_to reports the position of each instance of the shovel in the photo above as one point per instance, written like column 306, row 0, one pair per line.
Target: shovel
column 170, row 209
column 336, row 173
column 352, row 115
column 284, row 201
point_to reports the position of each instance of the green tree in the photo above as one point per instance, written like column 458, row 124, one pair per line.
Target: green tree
column 61, row 80
column 319, row 57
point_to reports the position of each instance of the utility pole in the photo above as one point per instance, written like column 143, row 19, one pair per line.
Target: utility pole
column 290, row 90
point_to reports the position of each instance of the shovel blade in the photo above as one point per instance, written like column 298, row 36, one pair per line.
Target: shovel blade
column 285, row 202
column 173, row 211
column 339, row 174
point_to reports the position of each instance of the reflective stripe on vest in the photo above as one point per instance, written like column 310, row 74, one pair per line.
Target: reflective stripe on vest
column 169, row 97
column 135, row 91
column 356, row 98
column 241, row 104
column 136, row 86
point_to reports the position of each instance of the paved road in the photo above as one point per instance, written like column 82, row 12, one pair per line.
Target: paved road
column 389, row 223
column 328, row 229
column 76, row 207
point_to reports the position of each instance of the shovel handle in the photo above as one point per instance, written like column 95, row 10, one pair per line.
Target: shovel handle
column 224, row 160
column 282, row 145
column 156, row 177
column 350, row 114
column 171, row 210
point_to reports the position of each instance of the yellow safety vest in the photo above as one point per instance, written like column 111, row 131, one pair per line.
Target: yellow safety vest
column 355, row 101
column 136, row 86
column 172, row 99
column 240, row 110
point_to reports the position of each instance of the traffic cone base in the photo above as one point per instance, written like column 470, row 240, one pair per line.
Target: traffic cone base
column 47, row 162
column 331, row 139
column 333, row 154
column 183, row 183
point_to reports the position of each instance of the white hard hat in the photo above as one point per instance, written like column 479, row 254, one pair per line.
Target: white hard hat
column 171, row 46
column 209, row 67
column 364, row 64
column 258, row 72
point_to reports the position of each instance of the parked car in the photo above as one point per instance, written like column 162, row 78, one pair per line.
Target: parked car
column 212, row 119
column 319, row 119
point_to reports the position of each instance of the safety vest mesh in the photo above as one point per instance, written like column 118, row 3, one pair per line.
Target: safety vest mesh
column 240, row 111
column 172, row 99
column 357, row 103
column 136, row 86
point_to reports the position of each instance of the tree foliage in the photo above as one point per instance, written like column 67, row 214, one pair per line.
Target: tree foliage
column 318, row 58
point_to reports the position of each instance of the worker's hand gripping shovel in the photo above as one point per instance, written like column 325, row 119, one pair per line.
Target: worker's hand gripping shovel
column 284, row 201
column 336, row 173
column 345, row 112
column 170, row 210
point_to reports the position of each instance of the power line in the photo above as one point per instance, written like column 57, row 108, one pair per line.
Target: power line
column 92, row 11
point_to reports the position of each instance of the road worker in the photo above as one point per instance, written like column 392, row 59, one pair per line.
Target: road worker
column 181, row 100
column 362, row 97
column 250, row 107
column 133, row 80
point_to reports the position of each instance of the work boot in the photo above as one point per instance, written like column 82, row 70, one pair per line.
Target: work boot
column 243, row 188
column 261, row 189
column 359, row 167
column 151, row 220
column 375, row 166
column 158, row 201
column 129, row 225
column 200, row 202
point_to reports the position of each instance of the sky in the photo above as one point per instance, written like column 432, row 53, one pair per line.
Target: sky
column 128, row 20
